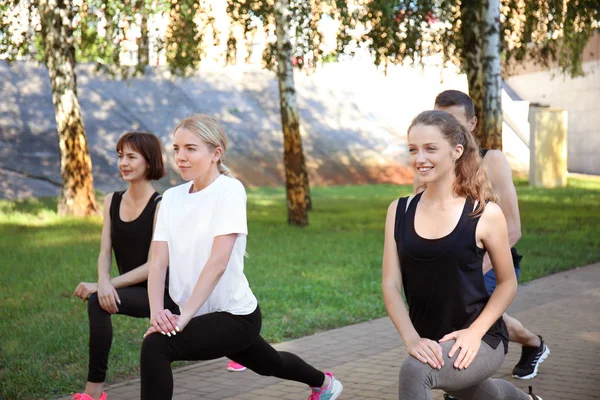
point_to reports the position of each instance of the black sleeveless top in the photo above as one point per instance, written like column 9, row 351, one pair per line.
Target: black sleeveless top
column 442, row 278
column 131, row 240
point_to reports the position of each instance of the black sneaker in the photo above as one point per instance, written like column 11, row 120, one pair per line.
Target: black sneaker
column 531, row 358
column 533, row 396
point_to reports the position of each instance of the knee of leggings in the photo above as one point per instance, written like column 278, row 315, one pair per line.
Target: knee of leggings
column 414, row 371
column 152, row 347
column 94, row 304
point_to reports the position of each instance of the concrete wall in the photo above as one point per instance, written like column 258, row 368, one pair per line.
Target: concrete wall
column 548, row 144
column 581, row 98
column 354, row 121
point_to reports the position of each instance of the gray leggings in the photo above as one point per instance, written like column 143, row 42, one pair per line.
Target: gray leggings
column 417, row 379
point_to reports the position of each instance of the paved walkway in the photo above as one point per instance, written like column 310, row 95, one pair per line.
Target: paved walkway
column 366, row 357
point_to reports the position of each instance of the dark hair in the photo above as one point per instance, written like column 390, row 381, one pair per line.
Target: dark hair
column 449, row 98
column 471, row 180
column 149, row 147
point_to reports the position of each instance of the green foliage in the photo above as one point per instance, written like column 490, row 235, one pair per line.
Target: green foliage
column 550, row 31
column 101, row 28
column 545, row 31
column 16, row 30
column 304, row 19
column 183, row 41
column 306, row 279
column 403, row 30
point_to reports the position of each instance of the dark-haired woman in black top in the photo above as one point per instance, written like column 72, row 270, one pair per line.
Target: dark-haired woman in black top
column 129, row 218
column 434, row 247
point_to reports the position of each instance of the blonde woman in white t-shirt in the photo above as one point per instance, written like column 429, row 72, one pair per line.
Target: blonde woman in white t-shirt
column 201, row 235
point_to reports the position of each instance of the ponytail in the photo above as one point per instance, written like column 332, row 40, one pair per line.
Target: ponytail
column 223, row 170
column 471, row 179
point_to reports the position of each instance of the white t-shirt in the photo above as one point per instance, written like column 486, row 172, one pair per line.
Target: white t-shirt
column 189, row 222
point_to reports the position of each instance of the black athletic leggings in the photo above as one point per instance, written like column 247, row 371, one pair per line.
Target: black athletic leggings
column 215, row 335
column 134, row 303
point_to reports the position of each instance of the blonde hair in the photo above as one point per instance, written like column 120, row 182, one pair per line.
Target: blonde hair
column 209, row 130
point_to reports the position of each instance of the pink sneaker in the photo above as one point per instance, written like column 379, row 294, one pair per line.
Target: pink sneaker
column 331, row 392
column 235, row 367
column 83, row 396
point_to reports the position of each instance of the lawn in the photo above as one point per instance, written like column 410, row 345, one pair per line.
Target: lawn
column 320, row 277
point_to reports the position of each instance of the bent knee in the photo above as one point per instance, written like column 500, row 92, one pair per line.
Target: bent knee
column 94, row 304
column 412, row 368
column 153, row 344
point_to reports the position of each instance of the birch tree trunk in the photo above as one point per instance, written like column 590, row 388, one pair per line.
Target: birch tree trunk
column 143, row 47
column 293, row 155
column 481, row 61
column 77, row 196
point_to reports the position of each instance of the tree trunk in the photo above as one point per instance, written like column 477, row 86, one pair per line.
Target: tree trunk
column 143, row 48
column 296, row 178
column 306, row 184
column 491, row 123
column 481, row 61
column 75, row 163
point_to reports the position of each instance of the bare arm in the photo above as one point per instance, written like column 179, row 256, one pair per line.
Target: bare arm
column 157, row 266
column 140, row 273
column 162, row 320
column 492, row 233
column 500, row 175
column 105, row 256
column 211, row 274
column 85, row 289
column 392, row 281
column 424, row 350
column 107, row 294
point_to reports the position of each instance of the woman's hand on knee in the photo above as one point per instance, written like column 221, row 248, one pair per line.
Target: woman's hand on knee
column 164, row 322
column 427, row 351
column 468, row 341
column 150, row 331
column 85, row 289
column 108, row 297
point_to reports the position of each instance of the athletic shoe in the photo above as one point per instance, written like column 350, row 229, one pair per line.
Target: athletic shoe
column 331, row 392
column 83, row 396
column 531, row 358
column 235, row 367
column 533, row 396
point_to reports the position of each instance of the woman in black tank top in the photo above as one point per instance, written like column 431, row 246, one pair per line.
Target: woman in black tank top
column 434, row 247
column 127, row 230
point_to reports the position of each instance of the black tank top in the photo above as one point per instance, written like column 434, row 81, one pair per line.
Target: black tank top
column 442, row 278
column 131, row 240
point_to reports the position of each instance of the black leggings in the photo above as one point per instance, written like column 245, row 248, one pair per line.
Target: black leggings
column 134, row 303
column 215, row 335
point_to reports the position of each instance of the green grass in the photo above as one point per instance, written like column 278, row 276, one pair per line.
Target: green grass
column 324, row 276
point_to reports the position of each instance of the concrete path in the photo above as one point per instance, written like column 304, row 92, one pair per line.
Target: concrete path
column 366, row 357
